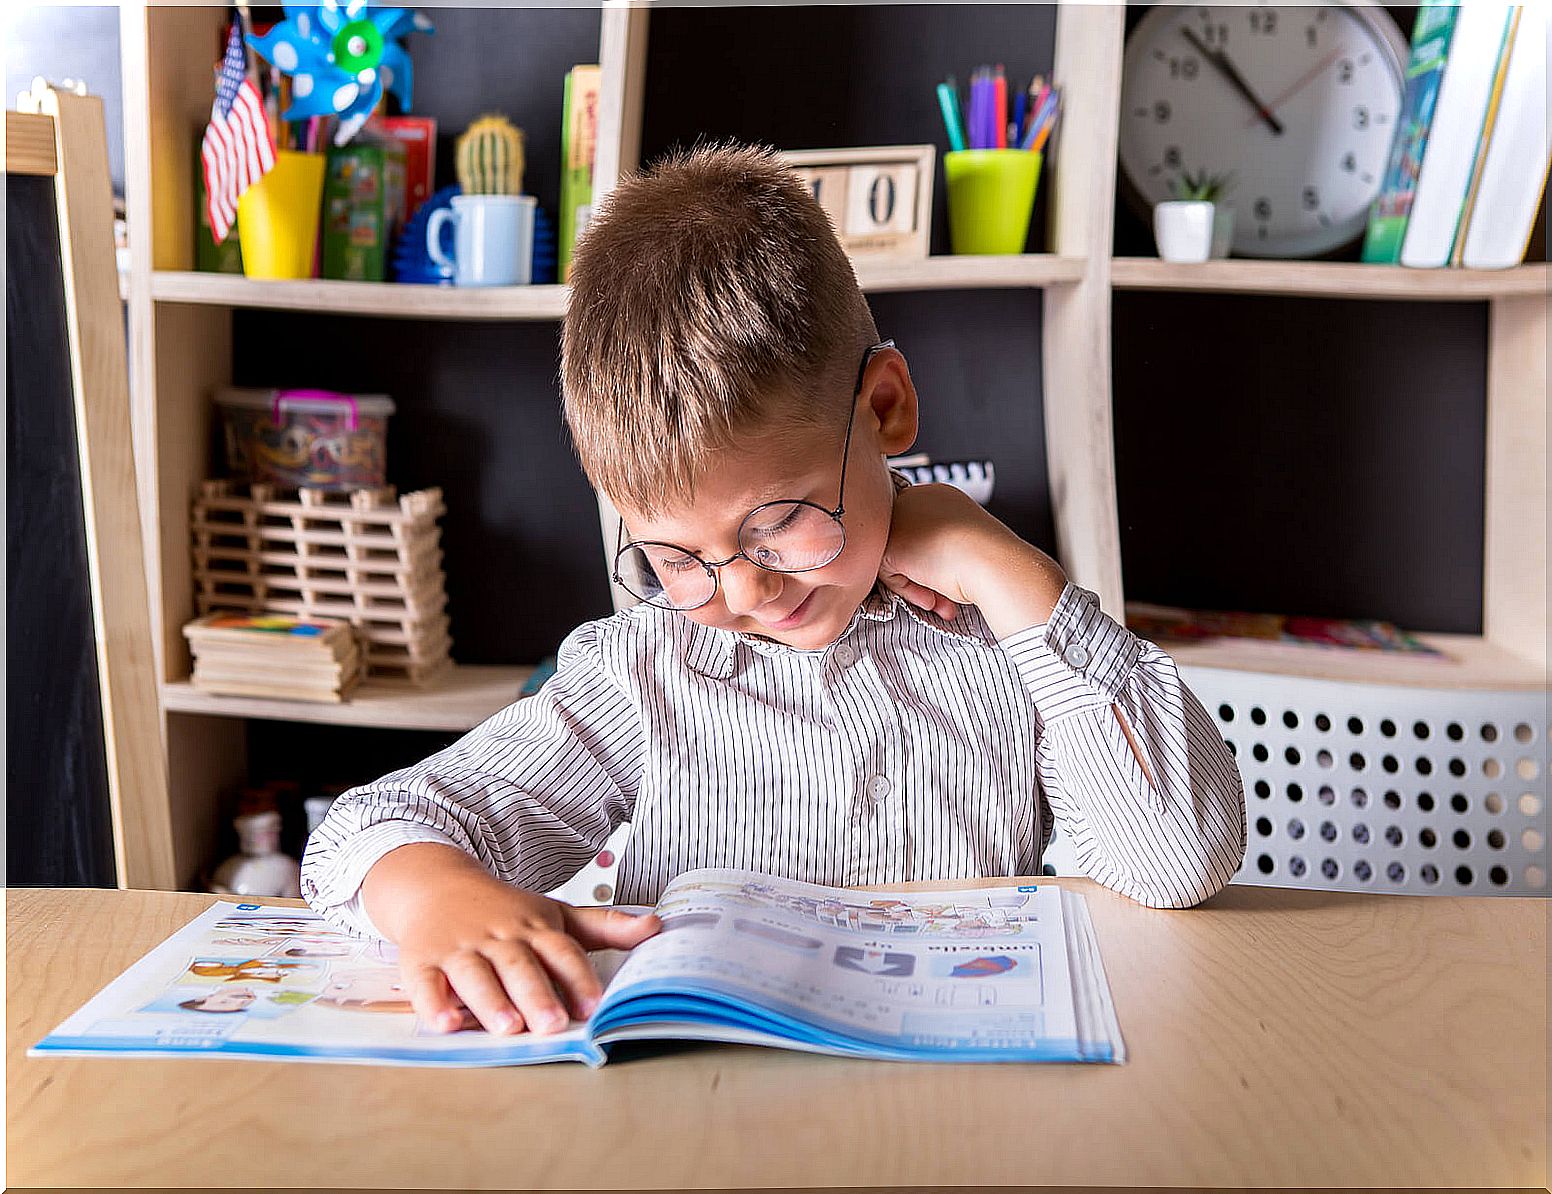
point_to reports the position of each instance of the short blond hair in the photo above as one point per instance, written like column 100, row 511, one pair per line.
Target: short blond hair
column 709, row 296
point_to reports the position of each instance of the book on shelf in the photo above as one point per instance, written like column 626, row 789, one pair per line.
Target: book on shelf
column 272, row 655
column 1462, row 128
column 1168, row 623
column 1431, row 34
column 989, row 973
column 1513, row 172
column 578, row 153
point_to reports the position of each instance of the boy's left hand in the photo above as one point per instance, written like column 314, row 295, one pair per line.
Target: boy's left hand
column 944, row 551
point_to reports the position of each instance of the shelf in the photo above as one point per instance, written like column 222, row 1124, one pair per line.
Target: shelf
column 465, row 698
column 386, row 299
column 1470, row 662
column 394, row 301
column 948, row 272
column 1329, row 279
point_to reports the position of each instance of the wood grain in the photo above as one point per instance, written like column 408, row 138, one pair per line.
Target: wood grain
column 29, row 144
column 1277, row 1038
column 1329, row 279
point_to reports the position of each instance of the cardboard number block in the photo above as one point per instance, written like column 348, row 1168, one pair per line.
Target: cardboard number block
column 880, row 199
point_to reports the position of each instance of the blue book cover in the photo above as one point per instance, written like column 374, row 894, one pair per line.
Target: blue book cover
column 1431, row 36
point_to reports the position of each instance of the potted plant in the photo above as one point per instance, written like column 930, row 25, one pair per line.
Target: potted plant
column 1195, row 225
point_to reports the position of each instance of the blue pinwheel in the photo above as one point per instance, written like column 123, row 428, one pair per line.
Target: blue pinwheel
column 340, row 55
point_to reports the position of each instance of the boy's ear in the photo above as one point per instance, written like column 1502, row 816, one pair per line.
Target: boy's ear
column 890, row 395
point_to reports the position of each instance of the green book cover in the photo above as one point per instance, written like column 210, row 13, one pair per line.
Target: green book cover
column 356, row 214
column 1392, row 207
column 578, row 146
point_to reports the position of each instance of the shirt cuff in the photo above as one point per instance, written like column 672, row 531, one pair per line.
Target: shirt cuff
column 1080, row 659
column 336, row 892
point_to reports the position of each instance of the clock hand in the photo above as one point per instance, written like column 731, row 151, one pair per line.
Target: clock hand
column 1314, row 73
column 1226, row 68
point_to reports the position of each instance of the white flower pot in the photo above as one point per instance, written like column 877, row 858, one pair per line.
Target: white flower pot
column 1183, row 230
column 1222, row 231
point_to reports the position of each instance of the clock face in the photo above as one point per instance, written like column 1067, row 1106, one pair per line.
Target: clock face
column 1298, row 102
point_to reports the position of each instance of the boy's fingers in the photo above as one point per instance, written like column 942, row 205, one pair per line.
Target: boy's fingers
column 433, row 998
column 572, row 972
column 608, row 928
column 528, row 985
column 484, row 994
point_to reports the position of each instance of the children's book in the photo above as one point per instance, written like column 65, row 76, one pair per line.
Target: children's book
column 578, row 152
column 982, row 974
column 1392, row 208
column 1167, row 623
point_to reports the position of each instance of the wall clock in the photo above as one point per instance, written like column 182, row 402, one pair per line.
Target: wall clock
column 1298, row 102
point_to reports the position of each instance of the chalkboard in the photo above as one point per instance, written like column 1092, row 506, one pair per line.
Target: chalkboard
column 58, row 816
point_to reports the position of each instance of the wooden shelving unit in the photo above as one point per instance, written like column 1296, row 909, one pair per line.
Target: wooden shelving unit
column 181, row 350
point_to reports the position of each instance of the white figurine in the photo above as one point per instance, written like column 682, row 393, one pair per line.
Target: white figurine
column 260, row 869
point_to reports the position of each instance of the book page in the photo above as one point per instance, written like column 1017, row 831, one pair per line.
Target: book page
column 956, row 970
column 281, row 983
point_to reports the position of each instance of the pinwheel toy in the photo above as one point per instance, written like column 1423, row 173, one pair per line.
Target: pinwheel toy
column 340, row 55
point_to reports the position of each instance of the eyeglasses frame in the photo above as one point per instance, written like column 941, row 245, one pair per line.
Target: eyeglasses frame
column 714, row 567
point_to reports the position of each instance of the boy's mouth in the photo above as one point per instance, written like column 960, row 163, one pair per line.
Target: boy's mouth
column 795, row 617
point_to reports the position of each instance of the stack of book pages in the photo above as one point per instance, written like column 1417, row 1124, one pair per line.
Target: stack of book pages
column 274, row 655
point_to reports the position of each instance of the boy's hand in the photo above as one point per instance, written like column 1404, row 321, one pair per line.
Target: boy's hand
column 514, row 959
column 944, row 551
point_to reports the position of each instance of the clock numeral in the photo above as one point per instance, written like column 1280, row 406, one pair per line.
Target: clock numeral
column 1311, row 198
column 1215, row 35
column 1360, row 117
column 1184, row 68
column 1309, row 37
column 1161, row 111
column 1263, row 208
column 1263, row 22
column 1172, row 157
column 1344, row 71
column 1350, row 162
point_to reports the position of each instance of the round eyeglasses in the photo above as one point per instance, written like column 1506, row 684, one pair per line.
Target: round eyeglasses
column 781, row 536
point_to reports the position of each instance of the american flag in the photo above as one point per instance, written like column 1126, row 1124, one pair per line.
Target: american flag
column 236, row 151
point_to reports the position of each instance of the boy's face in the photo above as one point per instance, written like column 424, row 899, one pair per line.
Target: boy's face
column 786, row 461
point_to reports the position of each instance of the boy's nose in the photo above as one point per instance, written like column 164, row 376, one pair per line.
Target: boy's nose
column 746, row 587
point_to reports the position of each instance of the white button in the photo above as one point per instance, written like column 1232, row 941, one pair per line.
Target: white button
column 878, row 787
column 845, row 654
column 1076, row 654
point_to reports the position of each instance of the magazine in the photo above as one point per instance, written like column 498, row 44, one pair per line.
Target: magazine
column 1007, row 973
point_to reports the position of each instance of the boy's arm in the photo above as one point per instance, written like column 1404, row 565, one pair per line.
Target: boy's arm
column 529, row 795
column 1129, row 760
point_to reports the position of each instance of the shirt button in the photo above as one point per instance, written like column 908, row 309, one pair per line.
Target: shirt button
column 1076, row 655
column 845, row 654
column 878, row 787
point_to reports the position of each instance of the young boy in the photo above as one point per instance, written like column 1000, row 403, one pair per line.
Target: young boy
column 833, row 676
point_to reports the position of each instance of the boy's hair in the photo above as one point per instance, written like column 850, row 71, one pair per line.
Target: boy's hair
column 707, row 295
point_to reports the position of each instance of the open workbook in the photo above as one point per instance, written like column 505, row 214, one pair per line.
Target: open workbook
column 981, row 974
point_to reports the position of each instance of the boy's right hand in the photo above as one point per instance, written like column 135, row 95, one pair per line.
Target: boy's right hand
column 512, row 958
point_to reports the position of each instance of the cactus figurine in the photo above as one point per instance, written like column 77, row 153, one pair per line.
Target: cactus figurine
column 490, row 157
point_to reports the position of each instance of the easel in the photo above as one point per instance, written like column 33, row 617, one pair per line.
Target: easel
column 60, row 134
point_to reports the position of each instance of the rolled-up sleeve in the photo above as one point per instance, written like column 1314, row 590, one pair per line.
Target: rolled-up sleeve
column 1163, row 823
column 532, row 793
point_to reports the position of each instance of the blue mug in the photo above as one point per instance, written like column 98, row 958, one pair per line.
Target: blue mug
column 492, row 239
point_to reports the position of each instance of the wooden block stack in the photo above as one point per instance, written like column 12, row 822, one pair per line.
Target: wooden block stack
column 273, row 655
column 366, row 557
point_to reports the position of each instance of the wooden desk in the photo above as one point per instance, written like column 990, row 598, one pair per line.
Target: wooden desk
column 1277, row 1037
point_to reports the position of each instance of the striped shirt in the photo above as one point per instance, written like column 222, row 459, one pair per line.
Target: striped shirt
column 911, row 748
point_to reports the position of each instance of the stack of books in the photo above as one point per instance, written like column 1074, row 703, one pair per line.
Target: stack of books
column 272, row 655
column 1468, row 169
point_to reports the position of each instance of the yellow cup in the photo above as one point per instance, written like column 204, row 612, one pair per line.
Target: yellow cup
column 277, row 217
column 991, row 193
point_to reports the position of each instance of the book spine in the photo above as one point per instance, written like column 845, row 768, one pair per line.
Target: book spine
column 1484, row 141
column 1431, row 36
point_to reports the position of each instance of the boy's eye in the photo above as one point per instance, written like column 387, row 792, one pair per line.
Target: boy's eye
column 678, row 562
column 779, row 520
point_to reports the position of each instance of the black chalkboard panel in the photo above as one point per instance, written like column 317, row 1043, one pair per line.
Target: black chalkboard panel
column 58, row 820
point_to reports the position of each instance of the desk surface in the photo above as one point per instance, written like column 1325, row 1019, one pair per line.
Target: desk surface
column 1276, row 1037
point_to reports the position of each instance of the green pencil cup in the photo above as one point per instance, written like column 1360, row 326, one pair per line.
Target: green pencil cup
column 991, row 193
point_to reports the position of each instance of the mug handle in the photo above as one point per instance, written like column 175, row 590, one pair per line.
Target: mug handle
column 434, row 237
